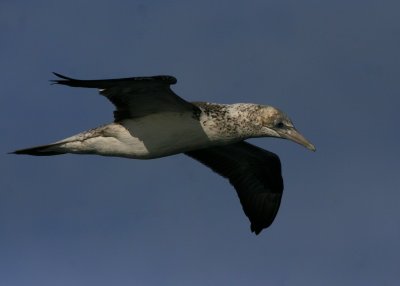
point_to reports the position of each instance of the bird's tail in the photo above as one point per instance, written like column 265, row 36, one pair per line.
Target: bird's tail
column 43, row 150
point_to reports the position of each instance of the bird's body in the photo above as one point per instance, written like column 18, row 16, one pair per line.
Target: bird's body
column 152, row 122
column 168, row 133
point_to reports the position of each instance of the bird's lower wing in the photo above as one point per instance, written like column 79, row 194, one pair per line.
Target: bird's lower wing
column 255, row 174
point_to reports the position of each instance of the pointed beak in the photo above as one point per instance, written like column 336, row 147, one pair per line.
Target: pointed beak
column 293, row 135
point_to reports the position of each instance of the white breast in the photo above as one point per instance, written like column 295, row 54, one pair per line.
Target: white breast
column 164, row 134
column 152, row 136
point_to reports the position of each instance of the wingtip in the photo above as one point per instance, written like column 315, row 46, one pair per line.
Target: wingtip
column 255, row 229
column 62, row 79
column 55, row 81
column 60, row 75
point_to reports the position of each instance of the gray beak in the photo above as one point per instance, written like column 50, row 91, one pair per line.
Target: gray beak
column 293, row 135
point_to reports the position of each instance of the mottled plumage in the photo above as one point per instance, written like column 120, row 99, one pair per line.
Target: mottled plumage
column 151, row 121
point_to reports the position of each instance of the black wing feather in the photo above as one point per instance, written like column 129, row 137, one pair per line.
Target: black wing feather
column 107, row 83
column 255, row 174
column 135, row 96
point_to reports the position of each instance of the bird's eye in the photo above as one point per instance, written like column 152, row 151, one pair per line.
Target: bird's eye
column 280, row 124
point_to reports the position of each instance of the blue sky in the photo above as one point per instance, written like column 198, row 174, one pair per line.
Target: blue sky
column 332, row 66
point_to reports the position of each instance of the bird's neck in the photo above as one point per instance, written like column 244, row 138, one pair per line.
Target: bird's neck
column 230, row 121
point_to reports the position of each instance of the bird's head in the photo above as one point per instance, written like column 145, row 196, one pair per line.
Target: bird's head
column 275, row 123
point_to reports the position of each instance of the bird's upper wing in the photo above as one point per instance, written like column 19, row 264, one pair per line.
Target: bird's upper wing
column 135, row 96
column 254, row 172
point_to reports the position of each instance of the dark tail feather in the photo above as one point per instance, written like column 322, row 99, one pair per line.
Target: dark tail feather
column 44, row 150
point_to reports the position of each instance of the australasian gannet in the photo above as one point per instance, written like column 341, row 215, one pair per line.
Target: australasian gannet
column 151, row 121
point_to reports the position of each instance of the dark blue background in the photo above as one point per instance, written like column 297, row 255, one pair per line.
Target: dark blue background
column 332, row 66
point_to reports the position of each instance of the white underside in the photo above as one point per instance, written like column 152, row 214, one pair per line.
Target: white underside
column 147, row 137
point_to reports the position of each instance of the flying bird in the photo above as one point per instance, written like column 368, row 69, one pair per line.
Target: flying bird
column 151, row 121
